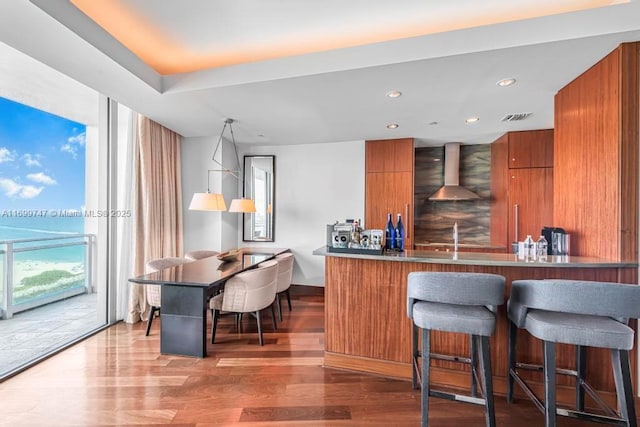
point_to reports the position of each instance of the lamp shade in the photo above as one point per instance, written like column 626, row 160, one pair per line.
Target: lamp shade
column 242, row 205
column 207, row 202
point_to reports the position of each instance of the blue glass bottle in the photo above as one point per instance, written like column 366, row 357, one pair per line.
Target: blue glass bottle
column 399, row 234
column 389, row 235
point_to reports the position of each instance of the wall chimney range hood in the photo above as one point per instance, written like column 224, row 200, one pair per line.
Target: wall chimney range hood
column 452, row 189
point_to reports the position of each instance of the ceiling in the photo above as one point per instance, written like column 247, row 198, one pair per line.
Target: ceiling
column 292, row 71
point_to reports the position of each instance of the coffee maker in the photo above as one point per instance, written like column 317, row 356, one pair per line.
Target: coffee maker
column 557, row 240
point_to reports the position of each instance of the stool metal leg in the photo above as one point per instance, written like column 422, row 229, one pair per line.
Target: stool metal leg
column 487, row 381
column 474, row 364
column 414, row 360
column 624, row 389
column 549, row 351
column 511, row 362
column 581, row 370
column 426, row 360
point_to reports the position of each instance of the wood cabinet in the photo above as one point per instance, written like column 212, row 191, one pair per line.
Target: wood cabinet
column 521, row 186
column 531, row 202
column 596, row 153
column 389, row 155
column 531, row 149
column 389, row 166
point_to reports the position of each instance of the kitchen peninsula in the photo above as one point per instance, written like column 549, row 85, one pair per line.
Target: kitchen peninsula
column 367, row 329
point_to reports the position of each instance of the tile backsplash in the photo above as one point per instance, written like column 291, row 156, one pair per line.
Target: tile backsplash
column 433, row 222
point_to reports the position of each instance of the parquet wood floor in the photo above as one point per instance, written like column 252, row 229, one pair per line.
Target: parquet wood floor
column 119, row 378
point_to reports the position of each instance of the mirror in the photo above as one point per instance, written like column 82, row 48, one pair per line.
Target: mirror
column 259, row 178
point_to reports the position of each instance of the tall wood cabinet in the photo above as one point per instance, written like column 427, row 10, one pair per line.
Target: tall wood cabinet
column 596, row 152
column 521, row 185
column 389, row 166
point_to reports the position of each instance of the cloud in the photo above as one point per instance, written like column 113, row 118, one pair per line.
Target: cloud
column 30, row 160
column 79, row 139
column 72, row 144
column 41, row 178
column 14, row 189
column 6, row 155
column 68, row 148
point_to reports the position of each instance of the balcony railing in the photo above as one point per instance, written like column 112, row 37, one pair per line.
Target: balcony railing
column 49, row 279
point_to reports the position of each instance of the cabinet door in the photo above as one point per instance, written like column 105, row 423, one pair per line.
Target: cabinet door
column 389, row 192
column 390, row 155
column 404, row 160
column 531, row 202
column 379, row 156
column 531, row 149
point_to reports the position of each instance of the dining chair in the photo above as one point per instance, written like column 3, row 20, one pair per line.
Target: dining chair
column 200, row 254
column 285, row 272
column 248, row 292
column 154, row 291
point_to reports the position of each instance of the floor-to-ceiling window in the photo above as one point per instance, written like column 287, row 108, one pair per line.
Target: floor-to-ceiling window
column 56, row 212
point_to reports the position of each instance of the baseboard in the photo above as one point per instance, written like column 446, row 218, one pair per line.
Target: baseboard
column 306, row 290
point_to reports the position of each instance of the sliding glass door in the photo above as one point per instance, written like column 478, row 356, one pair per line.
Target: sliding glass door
column 56, row 210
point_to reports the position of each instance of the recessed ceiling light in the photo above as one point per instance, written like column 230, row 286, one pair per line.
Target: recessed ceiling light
column 433, row 123
column 392, row 126
column 506, row 82
column 472, row 120
column 394, row 94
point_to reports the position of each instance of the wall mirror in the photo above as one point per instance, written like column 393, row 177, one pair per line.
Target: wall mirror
column 259, row 185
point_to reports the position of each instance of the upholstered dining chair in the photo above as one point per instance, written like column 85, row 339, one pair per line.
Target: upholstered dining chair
column 285, row 272
column 153, row 291
column 248, row 292
column 200, row 254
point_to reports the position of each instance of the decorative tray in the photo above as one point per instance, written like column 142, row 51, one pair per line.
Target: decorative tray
column 229, row 256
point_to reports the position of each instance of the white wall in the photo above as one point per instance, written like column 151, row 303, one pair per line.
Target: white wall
column 208, row 230
column 315, row 185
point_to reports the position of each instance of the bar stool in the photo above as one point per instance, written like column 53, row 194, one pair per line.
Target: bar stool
column 454, row 302
column 580, row 313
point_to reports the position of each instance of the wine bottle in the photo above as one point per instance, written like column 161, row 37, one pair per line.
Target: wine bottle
column 399, row 234
column 389, row 234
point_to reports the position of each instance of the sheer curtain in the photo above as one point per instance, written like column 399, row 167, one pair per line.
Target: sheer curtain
column 157, row 203
column 125, row 239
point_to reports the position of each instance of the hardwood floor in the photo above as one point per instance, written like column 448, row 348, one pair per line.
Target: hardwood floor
column 119, row 378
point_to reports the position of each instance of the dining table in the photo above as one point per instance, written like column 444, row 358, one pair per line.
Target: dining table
column 186, row 290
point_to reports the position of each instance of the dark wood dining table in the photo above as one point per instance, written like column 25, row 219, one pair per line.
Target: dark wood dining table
column 186, row 290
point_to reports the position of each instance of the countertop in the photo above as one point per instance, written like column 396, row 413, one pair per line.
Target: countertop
column 427, row 245
column 482, row 258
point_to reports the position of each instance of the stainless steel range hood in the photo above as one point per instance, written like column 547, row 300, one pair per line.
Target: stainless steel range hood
column 452, row 189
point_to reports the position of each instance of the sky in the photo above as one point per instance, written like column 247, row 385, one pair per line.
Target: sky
column 42, row 160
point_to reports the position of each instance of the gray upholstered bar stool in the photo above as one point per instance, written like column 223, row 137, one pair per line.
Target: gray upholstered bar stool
column 580, row 313
column 454, row 302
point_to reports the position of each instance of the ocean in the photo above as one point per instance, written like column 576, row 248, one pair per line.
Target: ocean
column 15, row 228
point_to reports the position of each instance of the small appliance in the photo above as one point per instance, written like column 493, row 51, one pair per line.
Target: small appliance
column 558, row 240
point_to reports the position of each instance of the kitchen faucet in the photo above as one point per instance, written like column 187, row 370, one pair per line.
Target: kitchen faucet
column 455, row 237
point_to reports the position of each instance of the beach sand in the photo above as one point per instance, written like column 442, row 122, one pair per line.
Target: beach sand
column 22, row 269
